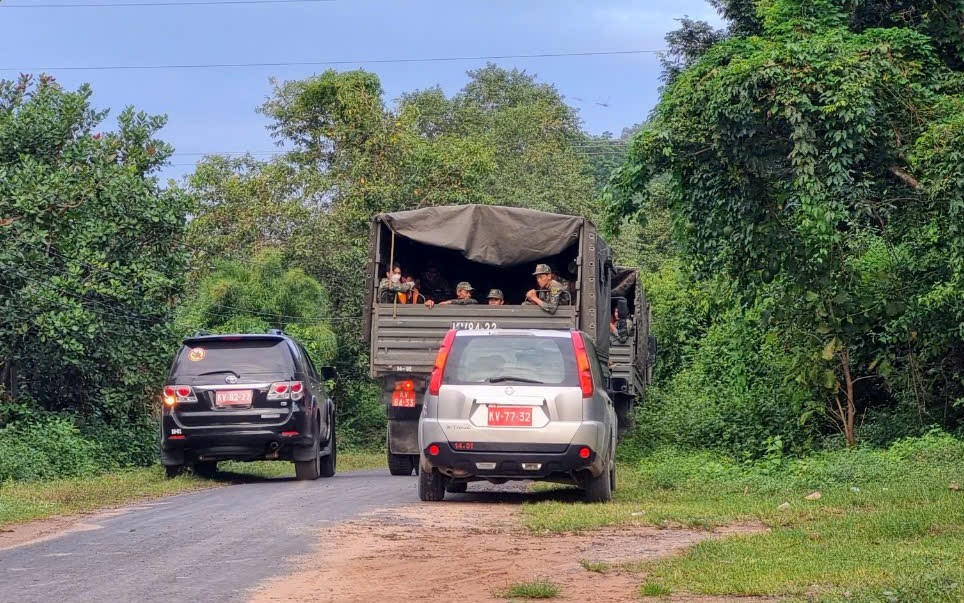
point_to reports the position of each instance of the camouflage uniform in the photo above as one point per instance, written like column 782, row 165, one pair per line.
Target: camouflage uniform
column 555, row 296
column 387, row 290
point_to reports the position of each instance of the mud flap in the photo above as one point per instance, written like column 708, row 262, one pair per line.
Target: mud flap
column 403, row 436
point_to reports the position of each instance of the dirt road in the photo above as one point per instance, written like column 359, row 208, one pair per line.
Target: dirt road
column 357, row 537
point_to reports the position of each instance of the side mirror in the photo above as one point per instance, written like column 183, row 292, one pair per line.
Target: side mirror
column 328, row 373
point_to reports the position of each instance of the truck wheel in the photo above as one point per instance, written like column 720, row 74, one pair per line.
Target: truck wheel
column 431, row 486
column 206, row 469
column 172, row 471
column 329, row 460
column 400, row 464
column 599, row 488
column 310, row 470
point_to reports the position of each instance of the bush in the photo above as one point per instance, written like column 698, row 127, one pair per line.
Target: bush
column 47, row 447
column 361, row 415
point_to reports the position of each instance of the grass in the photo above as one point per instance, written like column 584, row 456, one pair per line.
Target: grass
column 600, row 567
column 889, row 525
column 652, row 589
column 537, row 589
column 25, row 501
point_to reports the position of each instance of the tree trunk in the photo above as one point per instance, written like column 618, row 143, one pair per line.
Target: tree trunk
column 850, row 415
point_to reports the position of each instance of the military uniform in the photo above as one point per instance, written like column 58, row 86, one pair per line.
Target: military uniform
column 554, row 294
column 387, row 290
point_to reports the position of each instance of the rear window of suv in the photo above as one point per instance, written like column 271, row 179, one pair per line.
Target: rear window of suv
column 482, row 359
column 253, row 356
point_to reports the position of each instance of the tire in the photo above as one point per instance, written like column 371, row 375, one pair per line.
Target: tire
column 172, row 471
column 400, row 464
column 457, row 488
column 599, row 488
column 329, row 461
column 206, row 469
column 431, row 486
column 310, row 470
column 612, row 477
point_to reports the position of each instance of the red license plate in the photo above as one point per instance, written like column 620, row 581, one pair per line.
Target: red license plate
column 232, row 397
column 510, row 416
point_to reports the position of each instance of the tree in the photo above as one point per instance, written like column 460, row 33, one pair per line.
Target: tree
column 804, row 163
column 253, row 296
column 90, row 246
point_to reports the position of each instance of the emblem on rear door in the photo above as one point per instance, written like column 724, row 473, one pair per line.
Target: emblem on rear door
column 509, row 391
column 231, row 379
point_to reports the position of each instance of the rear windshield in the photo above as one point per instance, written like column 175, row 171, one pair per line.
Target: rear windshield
column 511, row 359
column 241, row 357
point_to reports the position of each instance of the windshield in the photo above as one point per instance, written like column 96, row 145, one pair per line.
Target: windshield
column 238, row 357
column 521, row 359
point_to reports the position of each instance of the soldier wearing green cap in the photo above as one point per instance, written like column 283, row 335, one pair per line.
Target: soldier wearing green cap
column 553, row 288
column 463, row 296
column 495, row 297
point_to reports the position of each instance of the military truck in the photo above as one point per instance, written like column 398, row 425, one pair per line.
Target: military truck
column 489, row 247
column 632, row 351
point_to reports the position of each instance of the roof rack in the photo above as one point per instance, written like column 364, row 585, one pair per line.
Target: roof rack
column 201, row 333
column 276, row 332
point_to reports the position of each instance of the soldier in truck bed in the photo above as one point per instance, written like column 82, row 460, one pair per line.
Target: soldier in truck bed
column 556, row 294
column 434, row 286
column 391, row 288
column 463, row 296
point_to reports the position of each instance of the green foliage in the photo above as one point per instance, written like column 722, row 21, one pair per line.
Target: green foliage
column 814, row 164
column 92, row 267
column 252, row 296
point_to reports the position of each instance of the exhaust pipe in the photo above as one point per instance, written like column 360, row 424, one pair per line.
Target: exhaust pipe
column 273, row 445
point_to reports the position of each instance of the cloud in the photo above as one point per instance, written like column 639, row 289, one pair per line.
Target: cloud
column 638, row 23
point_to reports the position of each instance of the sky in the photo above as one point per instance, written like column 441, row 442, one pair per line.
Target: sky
column 212, row 110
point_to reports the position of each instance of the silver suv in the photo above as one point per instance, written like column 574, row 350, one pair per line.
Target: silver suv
column 517, row 404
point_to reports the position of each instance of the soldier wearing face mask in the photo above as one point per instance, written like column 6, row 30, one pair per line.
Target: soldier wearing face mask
column 391, row 288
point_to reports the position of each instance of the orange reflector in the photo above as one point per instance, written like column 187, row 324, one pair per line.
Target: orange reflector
column 584, row 452
column 433, row 450
column 175, row 437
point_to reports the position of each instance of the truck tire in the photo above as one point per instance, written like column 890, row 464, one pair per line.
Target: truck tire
column 206, row 469
column 329, row 461
column 310, row 470
column 599, row 488
column 431, row 486
column 400, row 464
column 172, row 471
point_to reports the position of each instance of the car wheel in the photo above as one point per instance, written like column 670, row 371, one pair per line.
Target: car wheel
column 599, row 488
column 612, row 477
column 457, row 488
column 431, row 485
column 172, row 471
column 206, row 469
column 310, row 470
column 400, row 464
column 330, row 459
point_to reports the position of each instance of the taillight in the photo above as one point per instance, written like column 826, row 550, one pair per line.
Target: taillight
column 582, row 365
column 440, row 359
column 585, row 452
column 286, row 390
column 178, row 394
column 404, row 394
column 433, row 450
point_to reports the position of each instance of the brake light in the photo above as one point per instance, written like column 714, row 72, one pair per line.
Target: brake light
column 585, row 453
column 440, row 359
column 404, row 394
column 178, row 394
column 433, row 450
column 582, row 365
column 286, row 390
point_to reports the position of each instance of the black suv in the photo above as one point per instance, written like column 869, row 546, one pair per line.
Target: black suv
column 247, row 397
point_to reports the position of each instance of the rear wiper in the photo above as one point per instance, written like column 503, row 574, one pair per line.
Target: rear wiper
column 510, row 378
column 218, row 372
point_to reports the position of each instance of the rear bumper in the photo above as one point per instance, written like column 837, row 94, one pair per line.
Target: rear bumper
column 181, row 444
column 519, row 461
